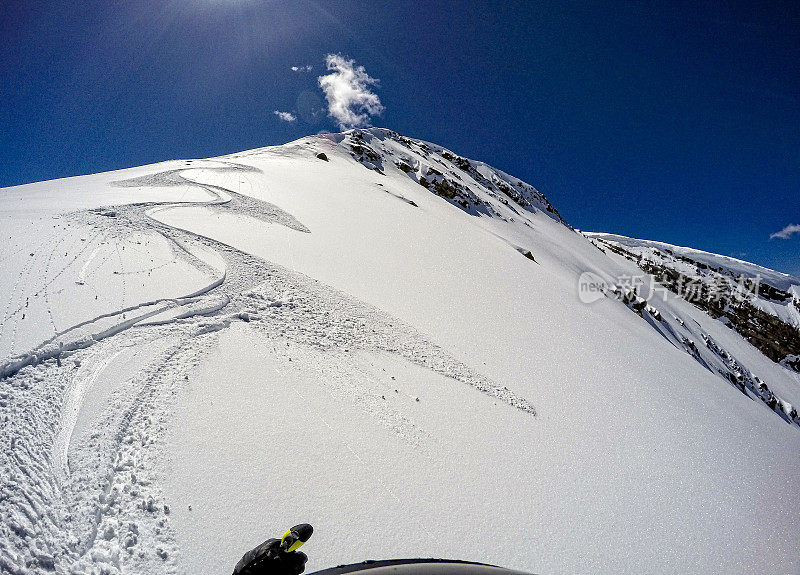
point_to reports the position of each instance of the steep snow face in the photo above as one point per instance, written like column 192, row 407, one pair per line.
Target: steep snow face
column 732, row 267
column 363, row 329
column 475, row 187
column 761, row 304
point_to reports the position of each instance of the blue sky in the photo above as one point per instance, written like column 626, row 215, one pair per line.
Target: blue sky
column 671, row 121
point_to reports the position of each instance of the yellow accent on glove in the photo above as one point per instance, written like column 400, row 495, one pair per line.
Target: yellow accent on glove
column 294, row 546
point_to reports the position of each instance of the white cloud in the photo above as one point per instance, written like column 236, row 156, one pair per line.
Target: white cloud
column 786, row 232
column 347, row 89
column 301, row 68
column 285, row 116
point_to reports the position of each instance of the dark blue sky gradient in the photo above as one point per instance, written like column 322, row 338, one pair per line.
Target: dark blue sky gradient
column 672, row 121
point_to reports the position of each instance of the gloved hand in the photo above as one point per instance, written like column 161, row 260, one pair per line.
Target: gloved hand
column 277, row 556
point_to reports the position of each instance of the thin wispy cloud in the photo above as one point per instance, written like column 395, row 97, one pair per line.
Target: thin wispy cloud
column 786, row 232
column 302, row 68
column 285, row 116
column 351, row 102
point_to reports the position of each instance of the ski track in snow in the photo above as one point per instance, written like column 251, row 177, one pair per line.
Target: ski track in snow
column 95, row 506
column 81, row 384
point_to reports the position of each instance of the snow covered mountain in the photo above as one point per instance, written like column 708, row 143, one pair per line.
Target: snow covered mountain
column 762, row 305
column 373, row 334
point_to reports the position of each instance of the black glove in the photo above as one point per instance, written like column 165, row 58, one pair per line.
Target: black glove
column 269, row 559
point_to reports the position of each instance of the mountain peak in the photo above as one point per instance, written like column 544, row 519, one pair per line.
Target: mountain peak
column 473, row 186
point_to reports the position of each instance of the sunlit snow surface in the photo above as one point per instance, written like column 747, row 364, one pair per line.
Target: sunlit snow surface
column 213, row 350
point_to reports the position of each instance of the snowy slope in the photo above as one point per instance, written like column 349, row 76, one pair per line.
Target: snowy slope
column 388, row 338
column 760, row 304
column 733, row 265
